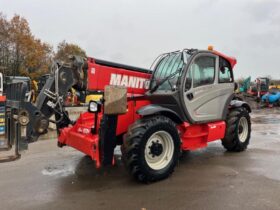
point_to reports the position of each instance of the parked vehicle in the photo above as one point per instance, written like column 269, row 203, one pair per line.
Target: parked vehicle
column 185, row 102
column 272, row 98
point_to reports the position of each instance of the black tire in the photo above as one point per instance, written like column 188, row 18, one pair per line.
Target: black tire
column 232, row 140
column 136, row 142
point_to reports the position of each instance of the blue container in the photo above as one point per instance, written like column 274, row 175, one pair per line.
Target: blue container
column 271, row 97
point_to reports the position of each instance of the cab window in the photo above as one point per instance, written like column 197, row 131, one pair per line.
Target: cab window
column 168, row 65
column 225, row 71
column 203, row 71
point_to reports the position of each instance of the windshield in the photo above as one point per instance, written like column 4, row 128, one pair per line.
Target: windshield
column 168, row 65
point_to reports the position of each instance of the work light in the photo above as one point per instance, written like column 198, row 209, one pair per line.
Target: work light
column 94, row 107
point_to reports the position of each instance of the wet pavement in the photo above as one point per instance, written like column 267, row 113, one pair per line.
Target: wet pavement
column 47, row 177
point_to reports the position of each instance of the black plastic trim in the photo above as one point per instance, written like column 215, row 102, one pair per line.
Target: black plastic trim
column 153, row 109
column 123, row 66
column 227, row 104
column 237, row 103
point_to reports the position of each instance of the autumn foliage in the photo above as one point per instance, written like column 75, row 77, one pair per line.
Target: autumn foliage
column 64, row 50
column 21, row 53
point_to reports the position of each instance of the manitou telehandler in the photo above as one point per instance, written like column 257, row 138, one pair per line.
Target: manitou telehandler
column 185, row 102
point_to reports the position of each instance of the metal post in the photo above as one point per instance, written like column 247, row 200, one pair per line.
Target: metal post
column 18, row 138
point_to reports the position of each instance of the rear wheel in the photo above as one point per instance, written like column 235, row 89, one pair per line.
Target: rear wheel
column 151, row 148
column 238, row 130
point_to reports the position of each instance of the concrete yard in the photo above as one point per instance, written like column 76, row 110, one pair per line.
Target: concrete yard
column 47, row 177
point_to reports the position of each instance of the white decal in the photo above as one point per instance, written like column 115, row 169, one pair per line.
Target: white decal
column 83, row 130
column 132, row 82
column 51, row 104
column 129, row 81
column 92, row 71
column 147, row 84
column 86, row 131
column 115, row 79
column 124, row 81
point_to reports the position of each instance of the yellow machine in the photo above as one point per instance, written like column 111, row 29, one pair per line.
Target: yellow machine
column 274, row 86
column 93, row 97
column 34, row 90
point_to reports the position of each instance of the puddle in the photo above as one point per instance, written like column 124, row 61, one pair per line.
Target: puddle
column 270, row 119
column 274, row 175
column 264, row 133
column 59, row 170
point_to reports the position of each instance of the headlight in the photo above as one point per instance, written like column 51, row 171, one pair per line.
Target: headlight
column 93, row 106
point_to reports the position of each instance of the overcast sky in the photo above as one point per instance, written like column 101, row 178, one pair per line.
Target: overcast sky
column 136, row 31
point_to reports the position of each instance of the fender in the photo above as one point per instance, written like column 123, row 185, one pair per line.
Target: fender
column 153, row 109
column 237, row 103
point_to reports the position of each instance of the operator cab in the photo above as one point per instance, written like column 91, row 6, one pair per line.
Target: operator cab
column 197, row 85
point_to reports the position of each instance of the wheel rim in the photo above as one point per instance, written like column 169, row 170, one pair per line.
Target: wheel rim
column 159, row 150
column 243, row 129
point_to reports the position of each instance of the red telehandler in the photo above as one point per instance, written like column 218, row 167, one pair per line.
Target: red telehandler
column 184, row 103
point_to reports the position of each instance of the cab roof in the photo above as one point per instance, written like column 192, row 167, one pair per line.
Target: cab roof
column 231, row 60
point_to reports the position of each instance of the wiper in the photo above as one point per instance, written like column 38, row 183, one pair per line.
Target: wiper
column 164, row 80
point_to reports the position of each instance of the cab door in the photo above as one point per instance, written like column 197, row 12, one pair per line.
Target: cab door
column 204, row 97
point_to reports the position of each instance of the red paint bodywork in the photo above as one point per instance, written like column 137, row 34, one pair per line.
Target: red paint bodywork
column 80, row 136
column 255, row 93
column 99, row 76
column 2, row 98
column 198, row 135
column 231, row 60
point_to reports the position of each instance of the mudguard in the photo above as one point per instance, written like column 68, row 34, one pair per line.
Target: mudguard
column 238, row 103
column 153, row 109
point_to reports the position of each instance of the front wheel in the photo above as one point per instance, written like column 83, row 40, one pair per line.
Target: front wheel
column 151, row 148
column 238, row 130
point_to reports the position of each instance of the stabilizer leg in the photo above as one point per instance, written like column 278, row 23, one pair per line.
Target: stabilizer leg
column 108, row 138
